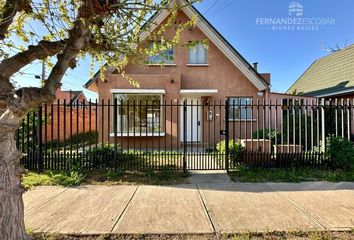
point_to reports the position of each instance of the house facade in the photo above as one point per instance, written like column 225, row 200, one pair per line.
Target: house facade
column 202, row 76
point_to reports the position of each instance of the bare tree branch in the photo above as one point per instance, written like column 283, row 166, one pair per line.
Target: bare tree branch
column 43, row 50
column 78, row 38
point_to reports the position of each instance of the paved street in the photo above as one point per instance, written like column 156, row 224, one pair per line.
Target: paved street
column 191, row 208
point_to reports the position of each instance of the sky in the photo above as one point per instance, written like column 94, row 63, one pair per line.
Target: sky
column 249, row 26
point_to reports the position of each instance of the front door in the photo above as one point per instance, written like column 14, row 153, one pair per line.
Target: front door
column 194, row 118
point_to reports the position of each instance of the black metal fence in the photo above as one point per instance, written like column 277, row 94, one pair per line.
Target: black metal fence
column 147, row 132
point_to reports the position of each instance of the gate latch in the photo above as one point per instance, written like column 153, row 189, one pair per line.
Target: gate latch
column 222, row 132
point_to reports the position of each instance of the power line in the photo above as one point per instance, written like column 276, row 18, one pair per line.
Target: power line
column 211, row 7
column 225, row 5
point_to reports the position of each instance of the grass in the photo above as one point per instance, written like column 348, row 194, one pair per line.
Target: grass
column 242, row 236
column 47, row 178
column 290, row 175
column 150, row 177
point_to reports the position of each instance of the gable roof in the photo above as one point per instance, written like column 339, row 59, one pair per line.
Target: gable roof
column 330, row 75
column 68, row 95
column 213, row 35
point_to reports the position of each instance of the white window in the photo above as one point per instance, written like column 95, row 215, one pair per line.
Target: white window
column 139, row 113
column 240, row 108
column 163, row 57
column 197, row 54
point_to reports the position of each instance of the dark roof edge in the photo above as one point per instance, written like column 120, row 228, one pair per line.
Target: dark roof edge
column 231, row 47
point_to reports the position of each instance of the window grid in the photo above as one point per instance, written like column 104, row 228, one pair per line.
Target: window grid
column 240, row 108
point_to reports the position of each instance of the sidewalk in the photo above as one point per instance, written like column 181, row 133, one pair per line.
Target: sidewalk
column 191, row 208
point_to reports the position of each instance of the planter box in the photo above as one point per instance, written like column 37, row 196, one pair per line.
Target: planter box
column 256, row 145
column 288, row 148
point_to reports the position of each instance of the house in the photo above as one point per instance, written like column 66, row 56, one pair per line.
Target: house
column 60, row 117
column 329, row 77
column 74, row 96
column 198, row 75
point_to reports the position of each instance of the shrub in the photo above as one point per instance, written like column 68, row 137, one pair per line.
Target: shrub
column 71, row 178
column 63, row 178
column 114, row 175
column 104, row 156
column 340, row 153
column 267, row 134
column 236, row 149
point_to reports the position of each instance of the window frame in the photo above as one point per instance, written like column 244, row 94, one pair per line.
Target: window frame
column 205, row 63
column 246, row 107
column 160, row 56
column 138, row 129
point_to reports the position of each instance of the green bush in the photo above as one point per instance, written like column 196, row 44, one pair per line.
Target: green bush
column 340, row 153
column 113, row 175
column 63, row 178
column 104, row 155
column 236, row 149
column 267, row 134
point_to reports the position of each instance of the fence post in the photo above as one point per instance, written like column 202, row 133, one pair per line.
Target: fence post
column 323, row 127
column 184, row 135
column 39, row 134
column 227, row 135
column 115, row 108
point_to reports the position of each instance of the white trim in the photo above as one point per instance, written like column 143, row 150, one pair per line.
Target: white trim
column 334, row 93
column 161, row 65
column 197, row 92
column 197, row 65
column 137, row 134
column 139, row 91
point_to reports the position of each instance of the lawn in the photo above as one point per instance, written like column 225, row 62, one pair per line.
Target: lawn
column 290, row 175
column 112, row 177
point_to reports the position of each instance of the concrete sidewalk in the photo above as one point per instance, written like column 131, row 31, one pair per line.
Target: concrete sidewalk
column 191, row 208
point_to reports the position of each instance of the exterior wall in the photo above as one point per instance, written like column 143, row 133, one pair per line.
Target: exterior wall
column 277, row 99
column 58, row 123
column 220, row 73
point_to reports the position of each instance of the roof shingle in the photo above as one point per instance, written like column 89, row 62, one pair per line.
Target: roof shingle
column 332, row 73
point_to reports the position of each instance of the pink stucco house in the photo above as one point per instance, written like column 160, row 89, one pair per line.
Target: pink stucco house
column 197, row 74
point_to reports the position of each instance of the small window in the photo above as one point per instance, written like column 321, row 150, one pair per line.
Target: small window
column 139, row 113
column 163, row 57
column 197, row 54
column 240, row 108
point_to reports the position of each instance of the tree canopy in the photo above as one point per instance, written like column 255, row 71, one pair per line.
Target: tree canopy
column 62, row 31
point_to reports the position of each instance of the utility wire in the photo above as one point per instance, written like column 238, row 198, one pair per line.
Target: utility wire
column 214, row 3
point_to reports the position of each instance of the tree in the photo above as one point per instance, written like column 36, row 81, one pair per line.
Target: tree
column 63, row 31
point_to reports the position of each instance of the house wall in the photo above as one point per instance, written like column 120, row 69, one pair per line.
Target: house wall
column 220, row 74
column 59, row 122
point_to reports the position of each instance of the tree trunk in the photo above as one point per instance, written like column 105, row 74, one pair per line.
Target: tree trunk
column 12, row 225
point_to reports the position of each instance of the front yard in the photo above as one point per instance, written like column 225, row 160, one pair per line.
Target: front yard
column 111, row 177
column 290, row 175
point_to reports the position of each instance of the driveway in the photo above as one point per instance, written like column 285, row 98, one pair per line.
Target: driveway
column 191, row 208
